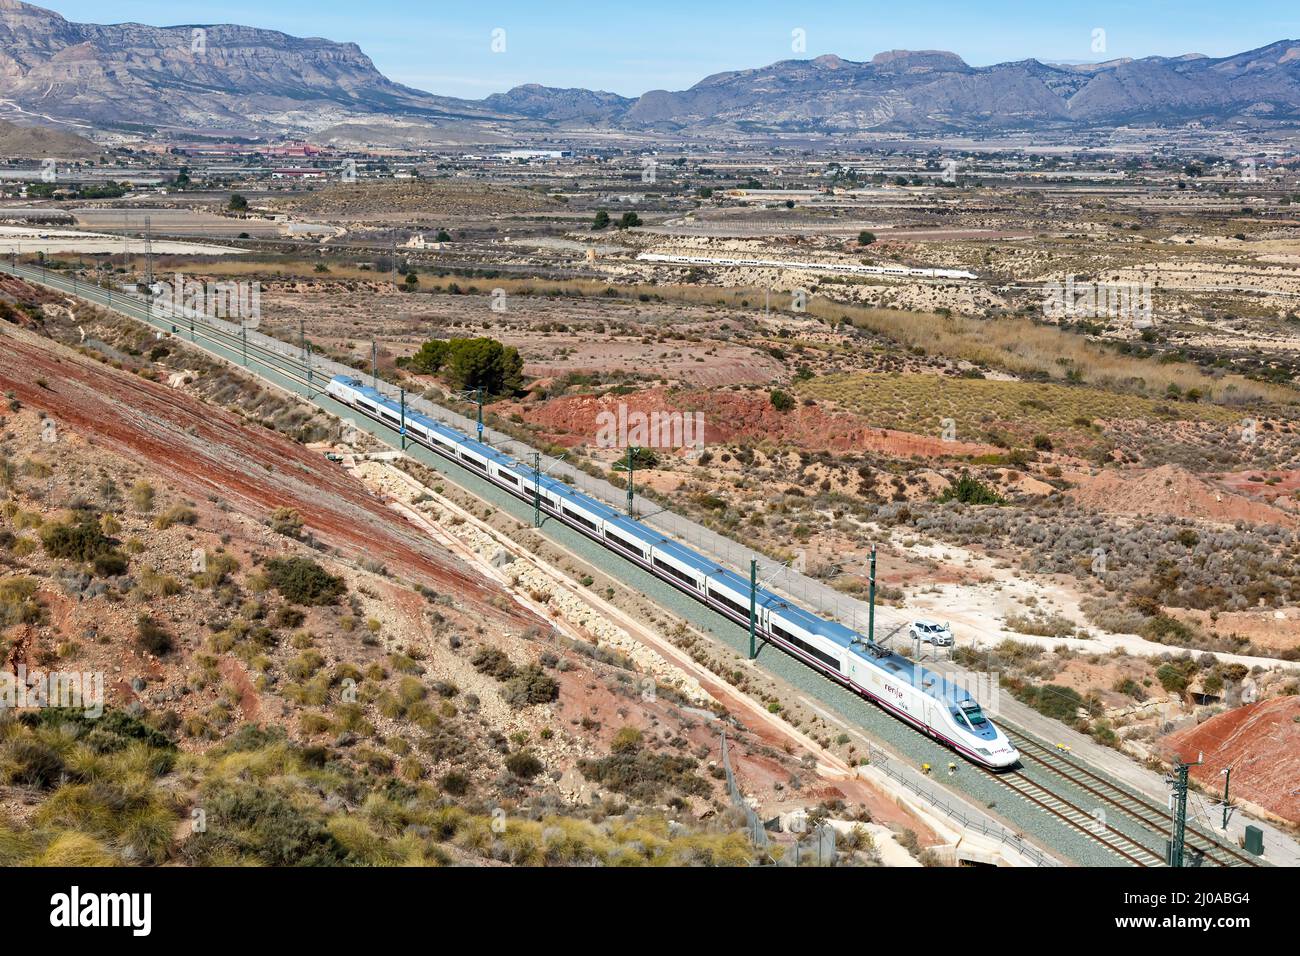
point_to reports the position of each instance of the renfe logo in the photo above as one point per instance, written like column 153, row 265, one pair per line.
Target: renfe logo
column 103, row 909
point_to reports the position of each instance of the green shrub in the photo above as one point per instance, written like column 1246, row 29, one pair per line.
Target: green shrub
column 454, row 783
column 81, row 540
column 261, row 824
column 1175, row 675
column 110, row 564
column 152, row 638
column 493, row 662
column 523, row 763
column 142, row 495
column 30, row 762
column 530, row 685
column 18, row 601
column 969, row 490
column 1053, row 700
column 287, row 522
column 303, row 581
column 644, row 775
column 628, row 739
column 177, row 514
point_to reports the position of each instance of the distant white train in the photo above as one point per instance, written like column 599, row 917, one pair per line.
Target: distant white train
column 938, row 707
column 846, row 267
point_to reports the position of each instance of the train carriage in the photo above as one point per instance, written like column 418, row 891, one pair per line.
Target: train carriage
column 925, row 699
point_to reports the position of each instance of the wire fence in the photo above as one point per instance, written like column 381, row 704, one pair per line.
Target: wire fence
column 879, row 759
column 818, row 847
column 777, row 577
column 753, row 825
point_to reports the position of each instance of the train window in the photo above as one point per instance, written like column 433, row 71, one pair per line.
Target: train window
column 675, row 572
column 473, row 462
column 507, row 476
column 729, row 602
column 806, row 647
column 581, row 519
column 638, row 548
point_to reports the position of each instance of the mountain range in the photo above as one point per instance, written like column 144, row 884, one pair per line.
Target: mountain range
column 229, row 78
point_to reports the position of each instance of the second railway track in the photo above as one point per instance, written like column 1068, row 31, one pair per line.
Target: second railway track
column 1055, row 801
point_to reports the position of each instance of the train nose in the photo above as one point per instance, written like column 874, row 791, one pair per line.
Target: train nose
column 1004, row 760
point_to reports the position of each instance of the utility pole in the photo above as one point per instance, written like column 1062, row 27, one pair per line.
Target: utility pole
column 308, row 371
column 480, row 413
column 302, row 339
column 243, row 337
column 1179, row 784
column 631, row 470
column 753, row 601
column 1227, row 778
column 374, row 364
column 401, row 432
column 871, row 600
column 148, row 253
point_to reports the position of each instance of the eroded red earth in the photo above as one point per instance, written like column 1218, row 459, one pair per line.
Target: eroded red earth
column 207, row 451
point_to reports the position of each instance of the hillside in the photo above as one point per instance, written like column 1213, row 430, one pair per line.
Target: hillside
column 28, row 141
column 1256, row 741
column 297, row 669
column 225, row 76
column 232, row 77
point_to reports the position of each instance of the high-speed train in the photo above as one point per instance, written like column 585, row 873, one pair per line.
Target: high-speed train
column 936, row 706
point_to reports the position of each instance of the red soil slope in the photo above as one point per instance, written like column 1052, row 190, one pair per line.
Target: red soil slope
column 1169, row 490
column 1261, row 742
column 739, row 416
column 210, row 451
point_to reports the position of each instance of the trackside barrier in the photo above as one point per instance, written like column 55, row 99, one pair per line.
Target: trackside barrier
column 753, row 825
column 776, row 576
column 881, row 761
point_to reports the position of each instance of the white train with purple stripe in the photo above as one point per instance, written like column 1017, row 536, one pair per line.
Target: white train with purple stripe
column 928, row 701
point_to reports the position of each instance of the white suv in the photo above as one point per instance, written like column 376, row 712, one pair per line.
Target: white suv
column 928, row 632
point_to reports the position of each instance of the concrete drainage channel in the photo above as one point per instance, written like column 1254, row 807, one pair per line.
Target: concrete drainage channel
column 973, row 831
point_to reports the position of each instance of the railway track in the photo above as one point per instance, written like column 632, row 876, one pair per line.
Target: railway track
column 1075, row 817
column 1140, row 809
column 1059, row 806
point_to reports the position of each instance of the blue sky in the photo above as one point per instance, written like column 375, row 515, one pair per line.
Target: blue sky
column 630, row 46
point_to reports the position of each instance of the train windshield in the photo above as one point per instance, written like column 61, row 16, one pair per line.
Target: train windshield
column 973, row 714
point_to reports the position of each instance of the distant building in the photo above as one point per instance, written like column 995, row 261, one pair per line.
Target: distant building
column 511, row 155
column 293, row 149
column 420, row 241
column 299, row 173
